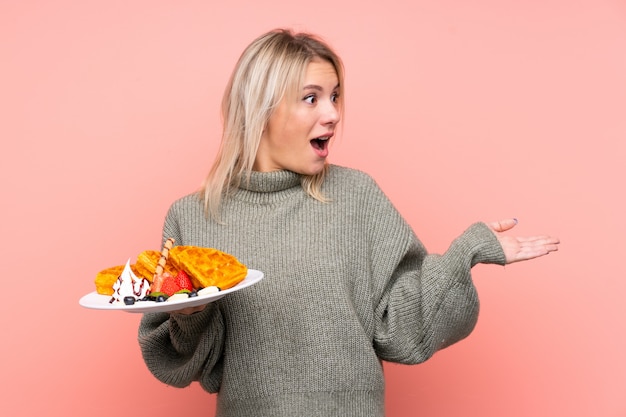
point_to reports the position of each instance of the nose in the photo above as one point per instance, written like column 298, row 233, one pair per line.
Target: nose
column 330, row 114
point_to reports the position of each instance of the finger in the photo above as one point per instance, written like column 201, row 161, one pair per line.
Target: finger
column 503, row 225
column 544, row 239
column 533, row 250
column 552, row 248
column 538, row 244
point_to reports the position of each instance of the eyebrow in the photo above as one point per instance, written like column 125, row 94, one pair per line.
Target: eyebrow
column 317, row 87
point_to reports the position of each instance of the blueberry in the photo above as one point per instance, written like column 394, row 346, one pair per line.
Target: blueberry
column 160, row 299
column 129, row 300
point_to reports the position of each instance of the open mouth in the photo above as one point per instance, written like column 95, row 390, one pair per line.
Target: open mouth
column 320, row 143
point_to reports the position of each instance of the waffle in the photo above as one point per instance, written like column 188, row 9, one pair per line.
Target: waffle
column 208, row 267
column 147, row 262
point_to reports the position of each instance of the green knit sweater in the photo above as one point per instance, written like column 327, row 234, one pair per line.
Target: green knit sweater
column 347, row 284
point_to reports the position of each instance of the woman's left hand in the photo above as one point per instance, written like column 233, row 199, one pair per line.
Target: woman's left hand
column 522, row 248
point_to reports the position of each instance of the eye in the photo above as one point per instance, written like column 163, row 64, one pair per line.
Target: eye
column 335, row 97
column 311, row 99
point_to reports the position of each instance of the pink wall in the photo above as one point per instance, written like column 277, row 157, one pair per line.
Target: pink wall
column 109, row 111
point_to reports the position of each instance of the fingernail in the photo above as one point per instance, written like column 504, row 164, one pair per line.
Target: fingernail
column 515, row 220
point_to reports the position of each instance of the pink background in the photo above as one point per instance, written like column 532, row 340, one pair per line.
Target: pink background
column 461, row 110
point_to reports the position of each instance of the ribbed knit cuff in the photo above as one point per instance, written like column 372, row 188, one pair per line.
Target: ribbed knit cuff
column 479, row 244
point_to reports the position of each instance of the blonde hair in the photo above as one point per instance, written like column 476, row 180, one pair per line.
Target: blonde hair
column 271, row 68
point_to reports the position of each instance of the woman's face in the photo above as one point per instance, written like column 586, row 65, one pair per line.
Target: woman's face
column 297, row 134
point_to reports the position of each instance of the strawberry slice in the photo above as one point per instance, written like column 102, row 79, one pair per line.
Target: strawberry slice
column 170, row 286
column 183, row 281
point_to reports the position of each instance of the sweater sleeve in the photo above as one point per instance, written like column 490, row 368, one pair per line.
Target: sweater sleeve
column 425, row 302
column 179, row 349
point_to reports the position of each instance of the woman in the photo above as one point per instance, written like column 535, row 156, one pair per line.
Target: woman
column 347, row 283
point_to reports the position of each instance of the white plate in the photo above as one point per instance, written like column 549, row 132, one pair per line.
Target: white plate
column 101, row 302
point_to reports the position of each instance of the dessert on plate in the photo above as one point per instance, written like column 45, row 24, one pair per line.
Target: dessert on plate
column 177, row 272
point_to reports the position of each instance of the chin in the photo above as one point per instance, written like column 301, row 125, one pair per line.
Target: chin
column 313, row 169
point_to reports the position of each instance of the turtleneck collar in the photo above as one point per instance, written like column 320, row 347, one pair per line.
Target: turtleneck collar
column 269, row 182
